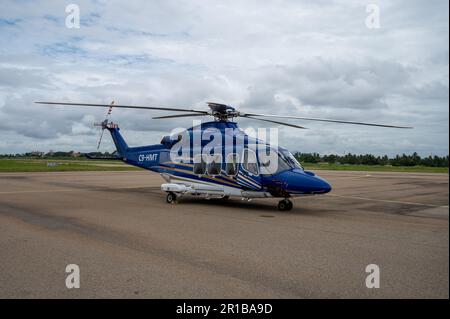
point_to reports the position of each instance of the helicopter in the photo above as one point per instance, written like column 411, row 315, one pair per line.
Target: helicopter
column 240, row 166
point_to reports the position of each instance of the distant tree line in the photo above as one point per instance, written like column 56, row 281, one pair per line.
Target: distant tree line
column 369, row 159
column 38, row 154
column 52, row 154
column 366, row 159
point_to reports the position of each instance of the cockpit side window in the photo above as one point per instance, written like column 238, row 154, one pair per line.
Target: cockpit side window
column 270, row 161
column 282, row 163
column 282, row 160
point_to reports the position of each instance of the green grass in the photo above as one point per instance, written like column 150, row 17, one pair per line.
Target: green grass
column 375, row 168
column 37, row 165
column 40, row 165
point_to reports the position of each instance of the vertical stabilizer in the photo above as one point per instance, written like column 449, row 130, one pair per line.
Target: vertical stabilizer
column 121, row 145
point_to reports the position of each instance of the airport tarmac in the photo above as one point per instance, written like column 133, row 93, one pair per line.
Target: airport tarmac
column 127, row 242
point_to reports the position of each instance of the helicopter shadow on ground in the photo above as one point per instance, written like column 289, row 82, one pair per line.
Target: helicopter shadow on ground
column 268, row 209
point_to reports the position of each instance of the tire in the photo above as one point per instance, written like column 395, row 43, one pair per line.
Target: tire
column 285, row 205
column 171, row 198
column 282, row 205
column 290, row 205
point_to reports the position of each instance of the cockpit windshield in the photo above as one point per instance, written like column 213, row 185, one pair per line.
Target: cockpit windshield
column 290, row 159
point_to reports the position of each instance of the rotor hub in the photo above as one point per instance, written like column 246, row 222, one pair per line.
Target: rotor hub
column 222, row 112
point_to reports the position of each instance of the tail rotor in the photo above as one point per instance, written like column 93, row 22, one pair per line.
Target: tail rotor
column 104, row 124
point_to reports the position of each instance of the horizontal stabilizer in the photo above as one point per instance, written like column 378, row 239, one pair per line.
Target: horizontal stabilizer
column 112, row 158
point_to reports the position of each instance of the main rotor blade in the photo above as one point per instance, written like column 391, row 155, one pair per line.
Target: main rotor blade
column 276, row 122
column 322, row 120
column 178, row 115
column 125, row 107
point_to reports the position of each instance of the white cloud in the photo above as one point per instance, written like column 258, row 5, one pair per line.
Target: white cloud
column 311, row 58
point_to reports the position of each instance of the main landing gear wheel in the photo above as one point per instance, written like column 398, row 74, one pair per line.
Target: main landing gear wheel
column 285, row 205
column 171, row 198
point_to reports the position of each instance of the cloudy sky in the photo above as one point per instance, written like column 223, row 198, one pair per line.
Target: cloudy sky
column 305, row 58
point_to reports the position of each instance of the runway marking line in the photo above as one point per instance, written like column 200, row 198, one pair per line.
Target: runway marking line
column 69, row 190
column 387, row 201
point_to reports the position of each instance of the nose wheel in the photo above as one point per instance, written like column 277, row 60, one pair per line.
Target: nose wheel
column 285, row 205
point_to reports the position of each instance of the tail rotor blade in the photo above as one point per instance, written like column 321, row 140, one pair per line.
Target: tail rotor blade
column 104, row 123
column 100, row 139
column 110, row 109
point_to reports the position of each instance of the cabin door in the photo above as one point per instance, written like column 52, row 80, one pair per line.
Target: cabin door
column 249, row 176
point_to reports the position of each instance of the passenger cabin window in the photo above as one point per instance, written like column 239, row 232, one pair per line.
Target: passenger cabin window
column 250, row 163
column 231, row 166
column 199, row 165
column 214, row 167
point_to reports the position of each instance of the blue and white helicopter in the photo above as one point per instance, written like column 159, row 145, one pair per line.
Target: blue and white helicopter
column 236, row 169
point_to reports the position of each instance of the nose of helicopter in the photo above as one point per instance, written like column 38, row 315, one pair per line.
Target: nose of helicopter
column 299, row 181
column 321, row 185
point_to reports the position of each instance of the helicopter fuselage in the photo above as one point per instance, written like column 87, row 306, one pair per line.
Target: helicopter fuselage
column 231, row 174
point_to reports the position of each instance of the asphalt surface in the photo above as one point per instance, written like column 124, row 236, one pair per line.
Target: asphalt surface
column 128, row 242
